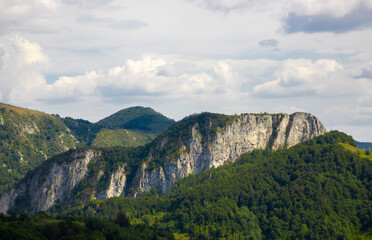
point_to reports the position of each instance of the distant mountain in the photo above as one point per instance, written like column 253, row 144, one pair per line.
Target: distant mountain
column 364, row 145
column 137, row 118
column 197, row 143
column 142, row 122
column 28, row 138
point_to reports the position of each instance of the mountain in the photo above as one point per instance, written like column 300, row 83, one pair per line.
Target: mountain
column 317, row 189
column 142, row 124
column 197, row 143
column 364, row 145
column 28, row 138
column 137, row 118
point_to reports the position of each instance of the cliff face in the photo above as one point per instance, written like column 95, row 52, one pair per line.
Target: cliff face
column 200, row 149
column 49, row 183
column 246, row 133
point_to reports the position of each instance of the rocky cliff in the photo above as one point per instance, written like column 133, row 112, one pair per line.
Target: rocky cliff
column 197, row 143
column 245, row 133
column 51, row 182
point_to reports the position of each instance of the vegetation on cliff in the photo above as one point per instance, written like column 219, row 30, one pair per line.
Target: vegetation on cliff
column 315, row 190
column 27, row 138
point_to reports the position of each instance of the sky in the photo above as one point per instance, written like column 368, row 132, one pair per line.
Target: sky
column 91, row 58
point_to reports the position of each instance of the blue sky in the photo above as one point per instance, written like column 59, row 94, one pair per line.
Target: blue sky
column 88, row 59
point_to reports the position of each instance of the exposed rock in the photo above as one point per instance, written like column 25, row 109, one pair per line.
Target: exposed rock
column 47, row 186
column 54, row 181
column 116, row 186
column 248, row 132
column 30, row 127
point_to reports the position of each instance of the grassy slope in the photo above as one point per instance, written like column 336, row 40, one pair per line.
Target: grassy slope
column 360, row 152
column 121, row 137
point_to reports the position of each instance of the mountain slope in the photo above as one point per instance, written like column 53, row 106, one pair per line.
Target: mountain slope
column 143, row 122
column 121, row 137
column 195, row 144
column 27, row 138
column 137, row 118
column 314, row 190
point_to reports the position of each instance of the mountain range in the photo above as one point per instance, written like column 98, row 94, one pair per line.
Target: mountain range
column 29, row 137
column 208, row 176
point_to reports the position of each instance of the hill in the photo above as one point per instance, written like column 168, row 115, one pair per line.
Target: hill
column 197, row 143
column 314, row 190
column 137, row 118
column 144, row 124
column 28, row 138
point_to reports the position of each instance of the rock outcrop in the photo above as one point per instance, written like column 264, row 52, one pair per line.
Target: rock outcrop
column 200, row 149
column 50, row 183
column 116, row 186
column 246, row 133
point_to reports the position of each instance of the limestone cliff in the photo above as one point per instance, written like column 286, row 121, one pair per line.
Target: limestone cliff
column 197, row 143
column 51, row 182
column 245, row 133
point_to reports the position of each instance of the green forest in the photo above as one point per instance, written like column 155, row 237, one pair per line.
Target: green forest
column 43, row 226
column 27, row 138
column 314, row 190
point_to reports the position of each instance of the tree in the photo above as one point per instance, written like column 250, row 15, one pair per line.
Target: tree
column 122, row 220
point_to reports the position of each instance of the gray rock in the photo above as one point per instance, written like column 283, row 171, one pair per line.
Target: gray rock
column 248, row 132
column 55, row 182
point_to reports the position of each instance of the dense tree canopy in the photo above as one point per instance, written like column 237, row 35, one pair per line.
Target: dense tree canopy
column 315, row 190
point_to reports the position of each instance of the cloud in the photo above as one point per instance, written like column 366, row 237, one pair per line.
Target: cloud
column 22, row 61
column 302, row 77
column 268, row 43
column 329, row 17
column 111, row 23
column 88, row 4
column 224, row 5
column 27, row 16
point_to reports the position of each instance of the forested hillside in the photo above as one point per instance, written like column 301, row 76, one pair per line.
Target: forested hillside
column 27, row 138
column 314, row 190
column 42, row 226
column 141, row 124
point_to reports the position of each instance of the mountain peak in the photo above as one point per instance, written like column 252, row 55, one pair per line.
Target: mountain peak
column 137, row 118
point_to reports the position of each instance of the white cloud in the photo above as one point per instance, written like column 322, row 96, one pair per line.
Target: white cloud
column 224, row 5
column 203, row 56
column 333, row 7
column 22, row 62
column 302, row 77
